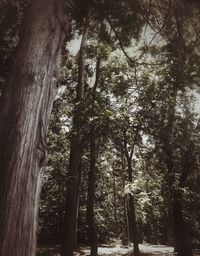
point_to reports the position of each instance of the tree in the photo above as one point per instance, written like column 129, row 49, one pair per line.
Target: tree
column 175, row 156
column 127, row 141
column 126, row 125
column 92, row 233
column 25, row 111
column 75, row 153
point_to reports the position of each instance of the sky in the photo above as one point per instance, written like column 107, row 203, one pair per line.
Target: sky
column 74, row 45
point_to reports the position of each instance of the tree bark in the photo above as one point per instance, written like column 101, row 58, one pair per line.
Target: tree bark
column 132, row 217
column 125, row 232
column 130, row 223
column 92, row 234
column 181, row 236
column 76, row 246
column 24, row 116
column 115, row 202
column 126, row 235
column 183, row 242
column 75, row 157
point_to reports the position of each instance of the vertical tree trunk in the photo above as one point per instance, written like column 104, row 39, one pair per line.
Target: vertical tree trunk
column 134, row 225
column 132, row 220
column 130, row 223
column 183, row 242
column 92, row 234
column 77, row 207
column 75, row 157
column 125, row 231
column 25, row 111
column 115, row 202
column 181, row 239
column 91, row 195
column 126, row 236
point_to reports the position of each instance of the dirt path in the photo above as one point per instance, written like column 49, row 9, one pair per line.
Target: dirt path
column 156, row 249
column 144, row 248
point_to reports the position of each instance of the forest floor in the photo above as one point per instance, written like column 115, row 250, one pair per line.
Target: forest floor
column 145, row 249
column 117, row 250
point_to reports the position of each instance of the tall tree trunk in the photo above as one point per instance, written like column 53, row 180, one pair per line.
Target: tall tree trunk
column 125, row 232
column 134, row 225
column 130, row 223
column 75, row 156
column 179, row 57
column 92, row 234
column 24, row 116
column 77, row 207
column 115, row 202
column 126, row 236
column 132, row 220
column 183, row 241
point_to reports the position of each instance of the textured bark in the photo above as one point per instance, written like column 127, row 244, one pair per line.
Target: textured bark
column 75, row 157
column 91, row 195
column 24, row 117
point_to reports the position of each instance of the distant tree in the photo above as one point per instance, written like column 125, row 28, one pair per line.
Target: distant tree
column 75, row 152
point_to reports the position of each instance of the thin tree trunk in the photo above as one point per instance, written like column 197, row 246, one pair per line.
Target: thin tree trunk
column 125, row 233
column 134, row 225
column 92, row 234
column 126, row 236
column 24, row 116
column 77, row 207
column 130, row 223
column 115, row 202
column 132, row 220
column 75, row 157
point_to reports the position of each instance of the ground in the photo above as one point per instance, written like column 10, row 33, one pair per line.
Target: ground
column 145, row 249
column 117, row 250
